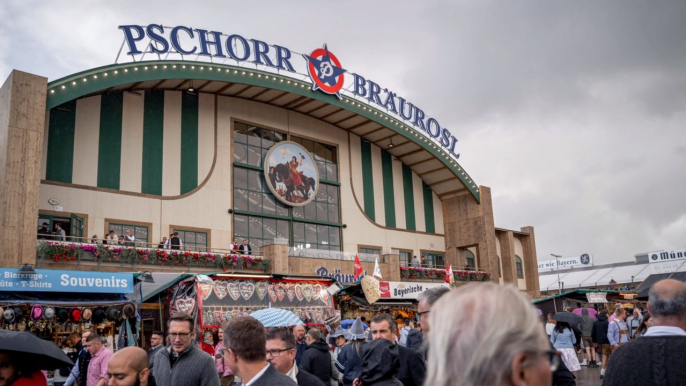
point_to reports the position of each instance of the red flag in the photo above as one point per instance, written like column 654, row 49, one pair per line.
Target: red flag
column 448, row 273
column 358, row 268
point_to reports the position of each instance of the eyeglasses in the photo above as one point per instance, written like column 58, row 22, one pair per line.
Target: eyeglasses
column 182, row 335
column 553, row 358
column 421, row 314
column 276, row 353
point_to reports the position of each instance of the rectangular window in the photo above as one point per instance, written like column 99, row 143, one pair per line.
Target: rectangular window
column 139, row 231
column 193, row 239
column 324, row 155
column 405, row 257
column 260, row 231
column 370, row 250
column 433, row 260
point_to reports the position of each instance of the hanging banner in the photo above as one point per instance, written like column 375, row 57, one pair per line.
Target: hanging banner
column 401, row 290
column 48, row 280
column 596, row 297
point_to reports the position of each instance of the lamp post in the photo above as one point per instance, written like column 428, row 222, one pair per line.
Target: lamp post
column 557, row 267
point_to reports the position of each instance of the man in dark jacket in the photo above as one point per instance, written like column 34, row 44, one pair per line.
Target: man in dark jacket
column 412, row 370
column 300, row 343
column 415, row 338
column 599, row 336
column 157, row 345
column 657, row 357
column 281, row 354
column 317, row 359
column 380, row 363
column 79, row 373
column 586, row 331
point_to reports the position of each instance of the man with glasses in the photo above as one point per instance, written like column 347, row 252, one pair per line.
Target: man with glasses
column 245, row 353
column 183, row 364
column 156, row 344
column 412, row 369
column 281, row 354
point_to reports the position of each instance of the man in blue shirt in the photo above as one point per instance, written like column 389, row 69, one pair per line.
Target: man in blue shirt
column 617, row 332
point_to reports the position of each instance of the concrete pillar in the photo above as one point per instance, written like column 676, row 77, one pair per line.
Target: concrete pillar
column 393, row 262
column 507, row 255
column 22, row 121
column 277, row 254
column 530, row 261
column 468, row 223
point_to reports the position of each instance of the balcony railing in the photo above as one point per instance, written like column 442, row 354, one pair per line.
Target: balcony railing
column 334, row 255
column 418, row 273
column 75, row 253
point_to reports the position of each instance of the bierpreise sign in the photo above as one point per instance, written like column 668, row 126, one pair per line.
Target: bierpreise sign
column 46, row 280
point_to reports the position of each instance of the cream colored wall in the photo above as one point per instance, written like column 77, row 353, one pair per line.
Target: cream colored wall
column 519, row 251
column 86, row 139
column 207, row 207
column 132, row 143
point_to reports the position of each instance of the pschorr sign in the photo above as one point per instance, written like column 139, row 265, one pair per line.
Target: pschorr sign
column 567, row 262
column 323, row 67
column 660, row 256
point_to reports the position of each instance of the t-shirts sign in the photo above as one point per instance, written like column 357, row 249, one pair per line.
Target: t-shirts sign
column 402, row 290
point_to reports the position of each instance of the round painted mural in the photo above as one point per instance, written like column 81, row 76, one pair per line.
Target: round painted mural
column 291, row 174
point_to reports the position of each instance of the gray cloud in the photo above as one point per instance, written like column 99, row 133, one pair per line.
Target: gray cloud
column 573, row 112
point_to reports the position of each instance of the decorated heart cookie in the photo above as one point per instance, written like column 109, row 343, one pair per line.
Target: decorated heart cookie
column 247, row 288
column 317, row 291
column 280, row 290
column 272, row 293
column 370, row 286
column 307, row 291
column 290, row 291
column 206, row 290
column 234, row 289
column 218, row 316
column 299, row 292
column 261, row 289
column 185, row 305
column 220, row 289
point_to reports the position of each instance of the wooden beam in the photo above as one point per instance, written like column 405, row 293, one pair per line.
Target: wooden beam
column 317, row 108
column 346, row 119
column 156, row 84
column 248, row 87
column 178, row 87
column 202, row 86
column 374, row 131
column 259, row 94
column 303, row 104
column 451, row 192
column 351, row 128
column 277, row 97
column 413, row 152
column 331, row 113
column 133, row 86
column 293, row 102
column 422, row 161
column 431, row 171
column 442, row 181
column 224, row 88
column 385, row 138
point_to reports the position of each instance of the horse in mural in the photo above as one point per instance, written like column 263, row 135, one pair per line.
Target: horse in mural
column 290, row 184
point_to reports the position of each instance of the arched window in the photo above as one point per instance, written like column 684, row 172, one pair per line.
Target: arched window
column 499, row 273
column 470, row 259
column 520, row 270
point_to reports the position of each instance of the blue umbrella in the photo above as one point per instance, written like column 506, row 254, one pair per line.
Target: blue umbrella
column 276, row 317
column 349, row 322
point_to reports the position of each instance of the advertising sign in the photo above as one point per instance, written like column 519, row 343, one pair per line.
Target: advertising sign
column 291, row 174
column 661, row 256
column 567, row 262
column 596, row 297
column 401, row 290
column 46, row 280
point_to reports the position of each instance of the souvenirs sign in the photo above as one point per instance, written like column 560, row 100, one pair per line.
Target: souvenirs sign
column 48, row 280
column 291, row 174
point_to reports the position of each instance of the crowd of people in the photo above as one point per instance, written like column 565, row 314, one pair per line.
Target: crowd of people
column 478, row 334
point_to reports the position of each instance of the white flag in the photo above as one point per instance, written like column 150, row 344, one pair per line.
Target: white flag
column 377, row 270
column 452, row 277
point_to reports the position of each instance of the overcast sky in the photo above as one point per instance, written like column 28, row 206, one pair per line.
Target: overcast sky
column 574, row 113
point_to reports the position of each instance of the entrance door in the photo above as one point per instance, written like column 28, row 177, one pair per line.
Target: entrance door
column 77, row 229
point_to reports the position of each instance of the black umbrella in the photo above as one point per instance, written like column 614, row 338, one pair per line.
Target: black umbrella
column 44, row 354
column 568, row 317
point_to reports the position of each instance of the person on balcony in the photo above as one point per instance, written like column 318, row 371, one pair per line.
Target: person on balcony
column 94, row 240
column 234, row 245
column 175, row 242
column 60, row 234
column 414, row 263
column 129, row 239
column 162, row 244
column 44, row 232
column 111, row 238
column 245, row 248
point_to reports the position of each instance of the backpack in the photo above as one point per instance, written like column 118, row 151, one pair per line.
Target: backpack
column 65, row 371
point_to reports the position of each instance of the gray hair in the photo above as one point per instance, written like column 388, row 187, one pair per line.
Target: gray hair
column 432, row 295
column 674, row 304
column 476, row 344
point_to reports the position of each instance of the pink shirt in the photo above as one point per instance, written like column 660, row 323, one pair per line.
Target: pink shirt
column 97, row 369
column 222, row 367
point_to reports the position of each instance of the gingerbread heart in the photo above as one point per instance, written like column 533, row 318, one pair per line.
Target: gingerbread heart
column 209, row 318
column 290, row 291
column 185, row 305
column 234, row 289
column 317, row 291
column 371, row 288
column 220, row 289
column 261, row 289
column 218, row 317
column 247, row 288
column 227, row 316
column 324, row 295
column 206, row 290
column 272, row 293
column 307, row 291
column 280, row 290
column 299, row 292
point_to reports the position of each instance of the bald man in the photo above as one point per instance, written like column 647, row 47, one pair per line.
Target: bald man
column 128, row 367
column 655, row 358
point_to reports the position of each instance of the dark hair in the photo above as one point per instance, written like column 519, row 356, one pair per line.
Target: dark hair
column 74, row 335
column 663, row 303
column 385, row 318
column 560, row 327
column 283, row 334
column 158, row 332
column 45, row 223
column 406, row 321
column 314, row 333
column 603, row 312
column 644, row 327
column 432, row 295
column 245, row 336
column 182, row 317
column 93, row 336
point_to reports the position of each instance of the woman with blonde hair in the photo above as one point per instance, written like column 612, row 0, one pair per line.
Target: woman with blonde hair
column 487, row 334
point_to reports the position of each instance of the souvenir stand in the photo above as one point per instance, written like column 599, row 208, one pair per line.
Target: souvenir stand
column 53, row 304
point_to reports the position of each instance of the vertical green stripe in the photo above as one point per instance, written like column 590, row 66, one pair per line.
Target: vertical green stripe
column 61, row 142
column 368, row 179
column 153, row 136
column 189, row 142
column 388, row 194
column 409, row 198
column 428, row 208
column 109, row 149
